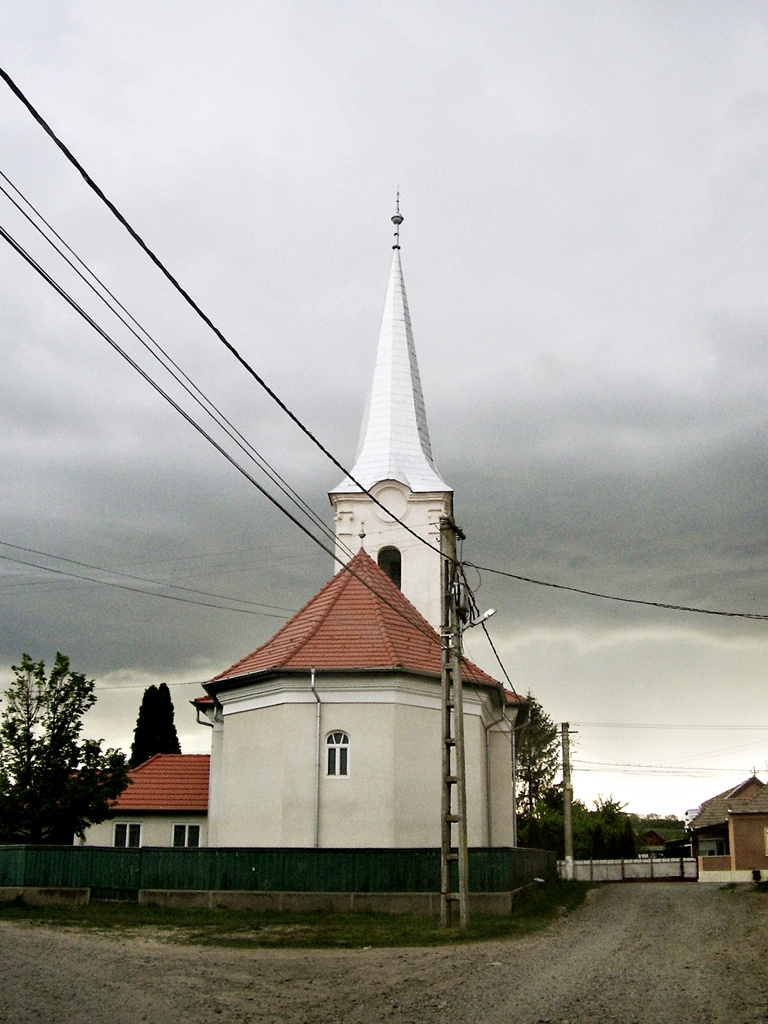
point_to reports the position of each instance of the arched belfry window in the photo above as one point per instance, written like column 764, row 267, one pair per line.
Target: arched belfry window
column 337, row 746
column 390, row 561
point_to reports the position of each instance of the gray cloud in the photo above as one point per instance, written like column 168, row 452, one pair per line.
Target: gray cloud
column 584, row 252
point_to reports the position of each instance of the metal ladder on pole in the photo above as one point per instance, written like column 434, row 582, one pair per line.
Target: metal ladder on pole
column 454, row 858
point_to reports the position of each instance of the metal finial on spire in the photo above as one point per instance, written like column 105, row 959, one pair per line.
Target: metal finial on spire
column 397, row 220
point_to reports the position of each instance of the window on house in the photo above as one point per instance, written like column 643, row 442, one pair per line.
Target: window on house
column 338, row 753
column 765, row 832
column 186, row 835
column 390, row 561
column 712, row 848
column 127, row 834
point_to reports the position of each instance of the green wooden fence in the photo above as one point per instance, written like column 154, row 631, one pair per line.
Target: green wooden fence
column 122, row 873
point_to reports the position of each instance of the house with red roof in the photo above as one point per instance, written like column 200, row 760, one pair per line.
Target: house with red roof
column 164, row 804
column 729, row 834
column 330, row 733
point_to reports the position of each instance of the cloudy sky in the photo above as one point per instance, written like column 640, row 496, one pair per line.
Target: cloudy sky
column 585, row 247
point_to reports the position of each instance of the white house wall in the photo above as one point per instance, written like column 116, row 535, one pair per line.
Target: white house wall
column 156, row 829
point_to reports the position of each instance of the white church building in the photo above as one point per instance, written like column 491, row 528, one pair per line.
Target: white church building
column 329, row 734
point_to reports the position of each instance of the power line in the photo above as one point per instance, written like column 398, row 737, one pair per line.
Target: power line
column 188, row 298
column 137, row 590
column 130, row 576
column 282, row 405
column 639, row 769
column 415, row 622
column 70, row 300
column 164, row 394
column 614, row 597
column 159, row 353
column 667, row 725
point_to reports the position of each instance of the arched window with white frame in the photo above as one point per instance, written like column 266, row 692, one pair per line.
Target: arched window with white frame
column 337, row 747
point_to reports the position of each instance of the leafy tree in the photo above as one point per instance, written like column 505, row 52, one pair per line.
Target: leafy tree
column 617, row 834
column 155, row 731
column 604, row 832
column 538, row 758
column 52, row 783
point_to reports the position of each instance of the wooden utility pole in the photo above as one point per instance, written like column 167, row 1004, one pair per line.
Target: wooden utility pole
column 567, row 801
column 453, row 803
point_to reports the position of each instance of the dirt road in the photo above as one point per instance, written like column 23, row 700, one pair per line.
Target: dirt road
column 646, row 953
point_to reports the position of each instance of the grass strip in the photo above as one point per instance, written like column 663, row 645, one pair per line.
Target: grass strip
column 535, row 908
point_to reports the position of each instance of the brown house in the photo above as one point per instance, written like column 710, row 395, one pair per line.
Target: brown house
column 655, row 844
column 730, row 834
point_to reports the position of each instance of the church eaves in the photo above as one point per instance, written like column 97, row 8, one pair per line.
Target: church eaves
column 394, row 440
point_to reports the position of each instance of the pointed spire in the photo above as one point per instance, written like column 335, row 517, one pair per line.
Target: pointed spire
column 394, row 439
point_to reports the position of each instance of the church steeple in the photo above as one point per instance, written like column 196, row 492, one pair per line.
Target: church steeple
column 394, row 463
column 394, row 439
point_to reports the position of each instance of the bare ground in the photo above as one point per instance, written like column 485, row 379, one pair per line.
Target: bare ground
column 645, row 953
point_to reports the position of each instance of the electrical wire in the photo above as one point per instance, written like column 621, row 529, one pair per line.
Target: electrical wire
column 414, row 620
column 137, row 590
column 282, row 405
column 191, row 302
column 666, row 725
column 132, row 362
column 62, row 292
column 166, row 361
column 638, row 769
column 621, row 600
column 130, row 576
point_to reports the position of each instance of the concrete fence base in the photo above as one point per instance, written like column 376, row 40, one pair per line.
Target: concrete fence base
column 35, row 896
column 422, row 903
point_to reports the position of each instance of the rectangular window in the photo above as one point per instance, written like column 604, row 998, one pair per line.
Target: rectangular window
column 765, row 832
column 712, row 848
column 128, row 834
column 331, row 760
column 186, row 835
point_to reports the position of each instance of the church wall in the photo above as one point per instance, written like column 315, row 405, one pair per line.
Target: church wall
column 215, row 782
column 418, row 753
column 268, row 765
column 358, row 810
column 391, row 796
column 502, row 825
column 474, row 745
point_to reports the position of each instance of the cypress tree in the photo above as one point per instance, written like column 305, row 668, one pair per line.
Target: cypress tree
column 155, row 731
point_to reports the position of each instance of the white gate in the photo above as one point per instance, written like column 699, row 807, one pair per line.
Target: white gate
column 649, row 869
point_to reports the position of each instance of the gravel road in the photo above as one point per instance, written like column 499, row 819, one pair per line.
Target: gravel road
column 648, row 953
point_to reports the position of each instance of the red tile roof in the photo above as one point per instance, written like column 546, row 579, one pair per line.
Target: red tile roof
column 358, row 621
column 168, row 782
